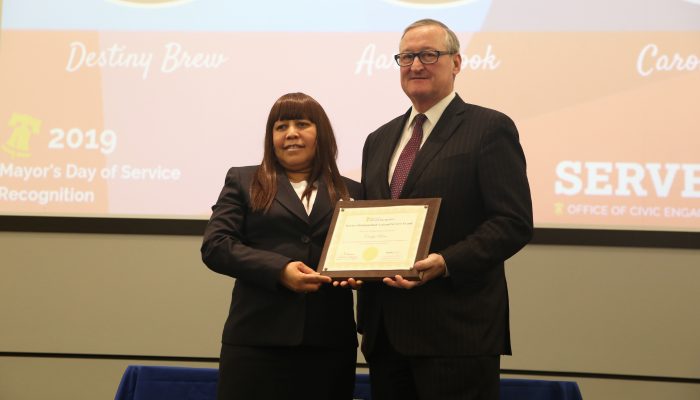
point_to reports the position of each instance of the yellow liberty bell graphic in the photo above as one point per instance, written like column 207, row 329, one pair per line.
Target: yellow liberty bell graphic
column 24, row 126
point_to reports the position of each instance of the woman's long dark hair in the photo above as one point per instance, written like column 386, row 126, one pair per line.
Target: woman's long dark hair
column 295, row 106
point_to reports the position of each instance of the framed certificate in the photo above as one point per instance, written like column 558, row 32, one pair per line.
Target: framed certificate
column 373, row 239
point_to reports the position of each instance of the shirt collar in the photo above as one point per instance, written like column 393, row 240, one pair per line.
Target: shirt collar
column 435, row 112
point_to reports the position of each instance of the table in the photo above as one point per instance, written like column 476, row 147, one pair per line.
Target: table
column 530, row 389
column 141, row 382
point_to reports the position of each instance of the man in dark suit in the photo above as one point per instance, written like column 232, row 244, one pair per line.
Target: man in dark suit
column 442, row 337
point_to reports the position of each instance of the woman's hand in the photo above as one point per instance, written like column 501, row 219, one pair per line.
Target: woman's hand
column 298, row 277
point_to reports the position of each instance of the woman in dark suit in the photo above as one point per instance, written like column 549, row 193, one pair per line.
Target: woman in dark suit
column 289, row 334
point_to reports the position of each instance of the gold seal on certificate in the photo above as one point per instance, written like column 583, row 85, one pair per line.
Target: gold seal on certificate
column 372, row 239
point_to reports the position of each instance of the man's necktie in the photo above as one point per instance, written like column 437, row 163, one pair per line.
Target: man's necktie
column 408, row 154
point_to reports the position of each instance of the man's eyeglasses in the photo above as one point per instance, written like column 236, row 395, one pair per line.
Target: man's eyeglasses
column 425, row 56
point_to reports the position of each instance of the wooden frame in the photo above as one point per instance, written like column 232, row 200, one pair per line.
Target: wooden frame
column 373, row 239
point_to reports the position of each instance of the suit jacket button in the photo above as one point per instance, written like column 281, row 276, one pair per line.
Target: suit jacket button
column 305, row 239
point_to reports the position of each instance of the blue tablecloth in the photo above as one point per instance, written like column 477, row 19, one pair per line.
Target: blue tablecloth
column 172, row 383
column 176, row 383
column 529, row 389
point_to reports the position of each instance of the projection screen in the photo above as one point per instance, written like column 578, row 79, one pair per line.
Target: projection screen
column 136, row 108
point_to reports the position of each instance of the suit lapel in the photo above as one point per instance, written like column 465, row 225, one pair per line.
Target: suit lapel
column 322, row 204
column 446, row 126
column 386, row 150
column 288, row 198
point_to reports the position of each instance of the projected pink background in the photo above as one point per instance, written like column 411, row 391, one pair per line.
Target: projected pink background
column 151, row 121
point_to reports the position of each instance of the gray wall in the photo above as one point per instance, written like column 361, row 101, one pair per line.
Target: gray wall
column 600, row 310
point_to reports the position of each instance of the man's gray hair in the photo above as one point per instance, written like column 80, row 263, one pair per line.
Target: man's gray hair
column 451, row 41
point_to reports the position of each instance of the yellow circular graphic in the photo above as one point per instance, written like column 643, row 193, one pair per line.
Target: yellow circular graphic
column 370, row 253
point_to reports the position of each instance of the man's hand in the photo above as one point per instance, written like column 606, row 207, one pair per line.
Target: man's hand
column 432, row 267
column 298, row 277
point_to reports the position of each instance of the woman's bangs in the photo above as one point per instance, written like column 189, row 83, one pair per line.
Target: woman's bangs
column 293, row 109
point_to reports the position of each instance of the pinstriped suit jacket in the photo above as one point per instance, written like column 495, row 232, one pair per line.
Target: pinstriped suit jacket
column 474, row 162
